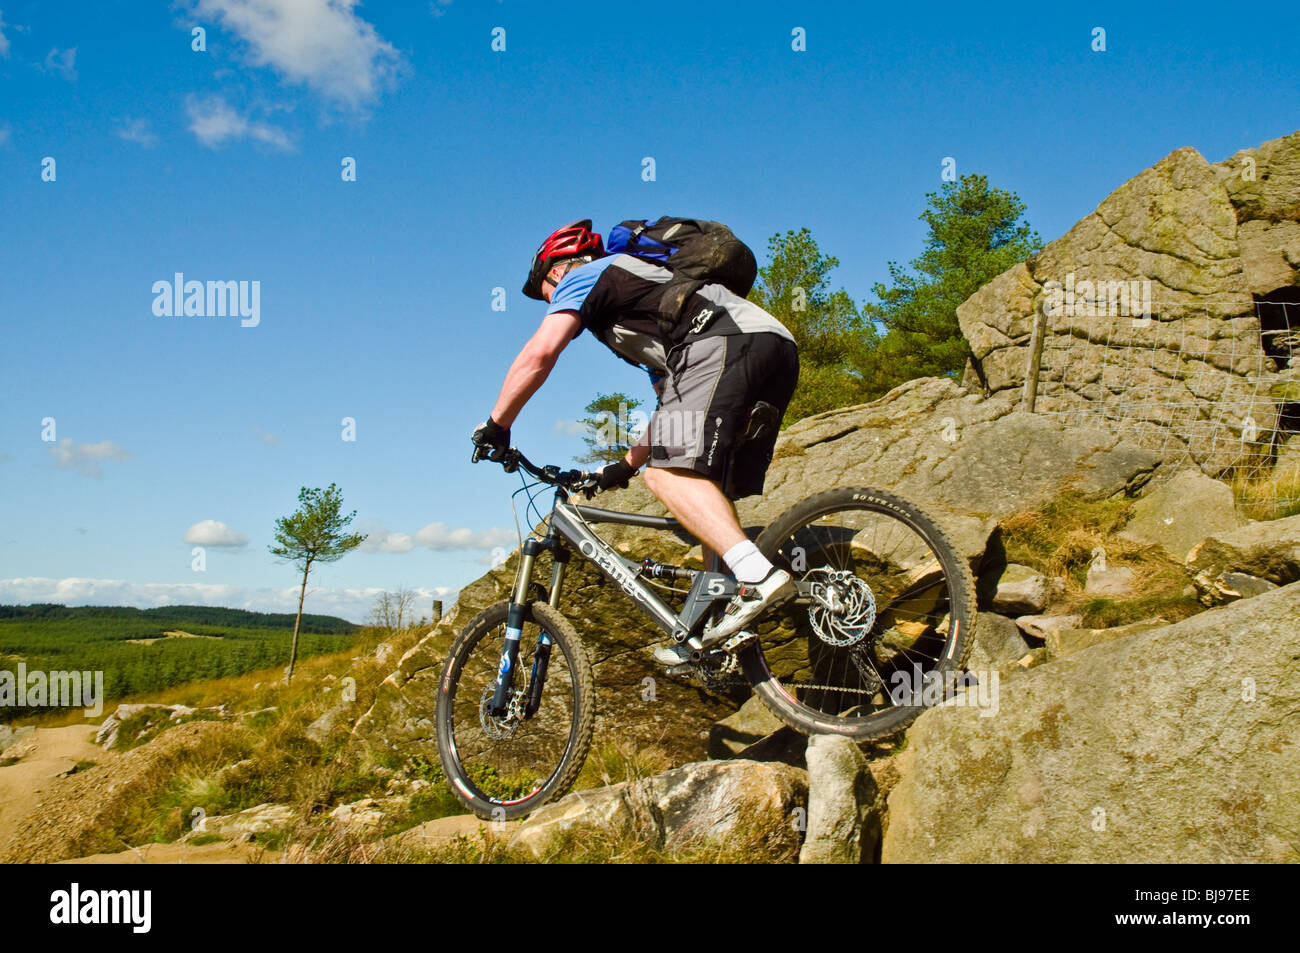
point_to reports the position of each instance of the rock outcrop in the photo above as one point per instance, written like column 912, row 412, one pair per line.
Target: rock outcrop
column 697, row 805
column 1174, row 744
column 1224, row 564
column 843, row 804
column 1183, row 511
column 1159, row 310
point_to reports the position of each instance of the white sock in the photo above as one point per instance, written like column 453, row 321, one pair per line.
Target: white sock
column 747, row 564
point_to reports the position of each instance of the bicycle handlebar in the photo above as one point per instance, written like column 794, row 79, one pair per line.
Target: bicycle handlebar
column 512, row 459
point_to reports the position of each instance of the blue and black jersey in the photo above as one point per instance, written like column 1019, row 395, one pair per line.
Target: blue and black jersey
column 618, row 298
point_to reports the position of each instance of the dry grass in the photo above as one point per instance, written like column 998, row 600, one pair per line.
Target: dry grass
column 1059, row 539
column 1267, row 496
column 621, row 760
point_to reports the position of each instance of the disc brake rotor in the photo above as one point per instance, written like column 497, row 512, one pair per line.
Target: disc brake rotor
column 843, row 607
column 498, row 728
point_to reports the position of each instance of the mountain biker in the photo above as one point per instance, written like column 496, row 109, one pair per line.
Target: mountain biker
column 723, row 354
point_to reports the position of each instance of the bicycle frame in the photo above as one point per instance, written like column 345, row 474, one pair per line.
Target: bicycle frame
column 568, row 528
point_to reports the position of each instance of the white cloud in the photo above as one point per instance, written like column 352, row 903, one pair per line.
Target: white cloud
column 436, row 536
column 4, row 40
column 214, row 533
column 351, row 604
column 137, row 130
column 441, row 536
column 269, row 439
column 85, row 457
column 570, row 428
column 380, row 540
column 214, row 121
column 438, row 8
column 63, row 62
column 321, row 44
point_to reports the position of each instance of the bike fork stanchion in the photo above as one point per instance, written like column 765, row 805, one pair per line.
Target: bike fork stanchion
column 514, row 628
column 543, row 657
column 538, row 677
column 509, row 658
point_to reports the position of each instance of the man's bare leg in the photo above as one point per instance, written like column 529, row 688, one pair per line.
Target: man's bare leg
column 698, row 504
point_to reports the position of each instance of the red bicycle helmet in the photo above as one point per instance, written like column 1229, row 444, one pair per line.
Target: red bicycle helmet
column 575, row 240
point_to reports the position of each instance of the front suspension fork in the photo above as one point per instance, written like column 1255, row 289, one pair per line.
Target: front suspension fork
column 515, row 629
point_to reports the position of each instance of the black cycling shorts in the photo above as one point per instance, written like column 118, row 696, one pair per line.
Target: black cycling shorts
column 711, row 386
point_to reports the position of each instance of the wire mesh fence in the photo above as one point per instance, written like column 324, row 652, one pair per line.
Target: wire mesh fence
column 1215, row 384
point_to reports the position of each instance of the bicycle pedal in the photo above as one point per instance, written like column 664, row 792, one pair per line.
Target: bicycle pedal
column 737, row 641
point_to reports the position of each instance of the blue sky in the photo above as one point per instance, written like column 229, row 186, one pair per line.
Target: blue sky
column 375, row 295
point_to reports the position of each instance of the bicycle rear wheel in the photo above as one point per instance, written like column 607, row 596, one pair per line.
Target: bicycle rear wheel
column 504, row 767
column 891, row 610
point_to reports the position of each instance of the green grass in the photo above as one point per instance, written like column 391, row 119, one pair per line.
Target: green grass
column 146, row 725
column 97, row 639
column 1107, row 613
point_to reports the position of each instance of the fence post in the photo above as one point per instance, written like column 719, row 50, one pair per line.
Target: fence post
column 1035, row 358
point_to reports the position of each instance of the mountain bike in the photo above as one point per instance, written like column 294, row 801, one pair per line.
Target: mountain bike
column 883, row 603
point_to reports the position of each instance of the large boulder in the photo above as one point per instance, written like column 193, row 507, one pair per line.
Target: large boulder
column 841, row 796
column 701, row 804
column 1181, row 512
column 1174, row 745
column 945, row 448
column 1269, row 551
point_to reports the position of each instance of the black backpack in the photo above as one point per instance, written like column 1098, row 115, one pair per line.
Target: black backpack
column 696, row 251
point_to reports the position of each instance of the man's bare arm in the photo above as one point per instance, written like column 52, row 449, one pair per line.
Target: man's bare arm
column 533, row 364
column 637, row 456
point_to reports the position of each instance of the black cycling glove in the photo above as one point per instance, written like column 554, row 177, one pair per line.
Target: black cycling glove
column 493, row 438
column 614, row 474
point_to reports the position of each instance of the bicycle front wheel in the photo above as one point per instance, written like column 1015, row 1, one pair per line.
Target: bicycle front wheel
column 503, row 766
column 886, row 612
